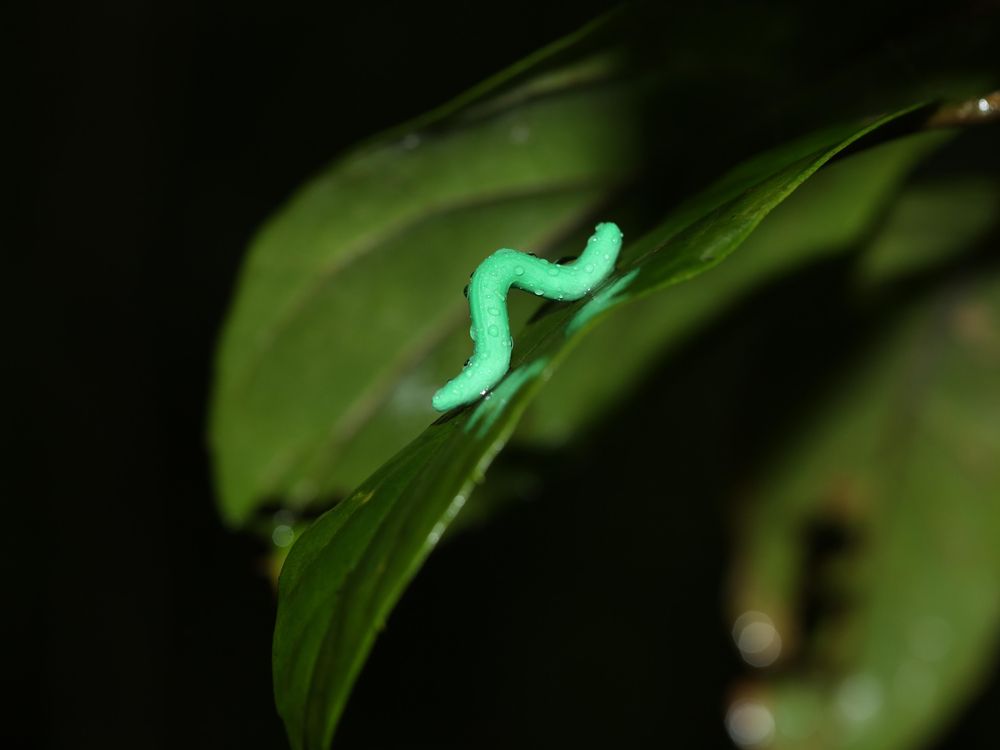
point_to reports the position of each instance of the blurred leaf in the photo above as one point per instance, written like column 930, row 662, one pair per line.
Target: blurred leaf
column 344, row 575
column 901, row 465
column 346, row 315
column 929, row 223
column 352, row 283
column 832, row 213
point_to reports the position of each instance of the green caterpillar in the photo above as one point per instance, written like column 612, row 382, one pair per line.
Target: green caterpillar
column 487, row 292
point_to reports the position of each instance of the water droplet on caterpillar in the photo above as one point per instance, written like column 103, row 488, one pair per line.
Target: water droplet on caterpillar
column 518, row 271
column 493, row 331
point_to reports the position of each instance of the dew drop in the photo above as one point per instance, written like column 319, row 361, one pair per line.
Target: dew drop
column 757, row 638
column 553, row 272
column 493, row 310
column 750, row 724
column 283, row 535
column 520, row 133
column 859, row 698
column 930, row 637
column 589, row 268
column 493, row 331
column 472, row 332
column 518, row 271
column 538, row 292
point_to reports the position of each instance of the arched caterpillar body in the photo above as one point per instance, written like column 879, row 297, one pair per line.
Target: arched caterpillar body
column 487, row 294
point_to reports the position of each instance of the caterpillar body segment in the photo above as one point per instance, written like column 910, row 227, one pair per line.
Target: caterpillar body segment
column 487, row 293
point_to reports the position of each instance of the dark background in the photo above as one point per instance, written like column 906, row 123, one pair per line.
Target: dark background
column 159, row 136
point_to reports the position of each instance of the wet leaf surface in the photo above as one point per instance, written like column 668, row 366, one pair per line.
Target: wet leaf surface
column 350, row 287
column 869, row 548
column 342, row 578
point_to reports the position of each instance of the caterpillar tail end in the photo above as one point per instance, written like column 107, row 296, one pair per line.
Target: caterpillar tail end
column 452, row 394
column 608, row 231
column 443, row 400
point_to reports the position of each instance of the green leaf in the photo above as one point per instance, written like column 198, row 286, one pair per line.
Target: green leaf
column 346, row 313
column 343, row 577
column 929, row 223
column 829, row 215
column 902, row 458
column 359, row 277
